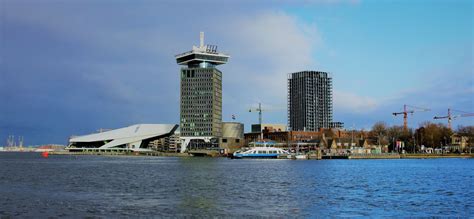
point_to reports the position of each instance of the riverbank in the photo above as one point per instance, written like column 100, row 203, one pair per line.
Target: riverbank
column 150, row 153
column 433, row 156
column 310, row 157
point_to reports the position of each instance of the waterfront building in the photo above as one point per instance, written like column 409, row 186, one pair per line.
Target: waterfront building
column 201, row 94
column 459, row 143
column 272, row 127
column 50, row 148
column 132, row 138
column 167, row 144
column 310, row 101
column 333, row 141
column 232, row 136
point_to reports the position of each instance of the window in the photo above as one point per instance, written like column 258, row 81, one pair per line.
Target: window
column 224, row 140
column 237, row 140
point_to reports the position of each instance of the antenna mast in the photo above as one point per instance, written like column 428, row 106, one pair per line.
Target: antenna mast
column 201, row 40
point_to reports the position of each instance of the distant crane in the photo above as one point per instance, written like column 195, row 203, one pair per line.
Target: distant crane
column 406, row 111
column 451, row 117
column 11, row 141
column 259, row 110
column 20, row 141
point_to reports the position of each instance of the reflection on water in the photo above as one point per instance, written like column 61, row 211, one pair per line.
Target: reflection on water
column 82, row 186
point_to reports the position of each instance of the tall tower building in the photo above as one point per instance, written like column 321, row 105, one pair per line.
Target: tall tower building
column 310, row 101
column 201, row 92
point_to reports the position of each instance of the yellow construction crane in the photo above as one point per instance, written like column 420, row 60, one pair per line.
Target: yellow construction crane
column 411, row 111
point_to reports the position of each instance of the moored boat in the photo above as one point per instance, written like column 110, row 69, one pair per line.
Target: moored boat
column 301, row 157
column 261, row 152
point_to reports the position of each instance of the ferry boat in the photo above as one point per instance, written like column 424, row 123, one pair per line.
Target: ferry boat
column 260, row 152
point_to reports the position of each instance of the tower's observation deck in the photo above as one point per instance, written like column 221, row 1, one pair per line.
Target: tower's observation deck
column 203, row 56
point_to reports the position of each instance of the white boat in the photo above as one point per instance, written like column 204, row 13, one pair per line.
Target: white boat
column 301, row 157
column 261, row 152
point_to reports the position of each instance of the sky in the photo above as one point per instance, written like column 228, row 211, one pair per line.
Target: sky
column 73, row 67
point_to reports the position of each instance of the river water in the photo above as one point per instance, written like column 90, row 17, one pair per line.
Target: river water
column 100, row 186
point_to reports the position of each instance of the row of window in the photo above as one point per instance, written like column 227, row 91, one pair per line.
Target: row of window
column 197, row 86
column 199, row 125
column 197, row 133
column 224, row 140
column 194, row 100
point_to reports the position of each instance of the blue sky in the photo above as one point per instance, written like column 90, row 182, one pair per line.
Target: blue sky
column 72, row 67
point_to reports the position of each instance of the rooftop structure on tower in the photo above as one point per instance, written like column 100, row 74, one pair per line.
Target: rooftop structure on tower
column 203, row 56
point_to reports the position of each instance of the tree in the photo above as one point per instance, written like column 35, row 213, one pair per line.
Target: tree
column 434, row 135
column 393, row 134
column 379, row 130
column 398, row 133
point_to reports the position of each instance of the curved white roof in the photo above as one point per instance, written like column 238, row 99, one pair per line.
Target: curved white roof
column 128, row 134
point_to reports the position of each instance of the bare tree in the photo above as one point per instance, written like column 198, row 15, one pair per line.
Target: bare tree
column 434, row 135
column 379, row 130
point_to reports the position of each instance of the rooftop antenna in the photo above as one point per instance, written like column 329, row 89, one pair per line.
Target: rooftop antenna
column 201, row 39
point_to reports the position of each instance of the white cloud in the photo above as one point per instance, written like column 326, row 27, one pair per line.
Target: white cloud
column 266, row 47
column 350, row 102
column 277, row 36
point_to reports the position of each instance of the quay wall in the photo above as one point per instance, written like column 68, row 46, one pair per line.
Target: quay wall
column 115, row 153
column 429, row 156
column 375, row 156
column 311, row 156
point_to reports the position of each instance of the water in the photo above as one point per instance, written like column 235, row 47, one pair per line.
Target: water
column 94, row 186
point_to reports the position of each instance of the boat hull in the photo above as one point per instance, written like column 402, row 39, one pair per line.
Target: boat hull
column 301, row 157
column 256, row 156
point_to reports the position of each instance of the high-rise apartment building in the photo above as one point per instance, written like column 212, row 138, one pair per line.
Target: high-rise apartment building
column 201, row 92
column 310, row 101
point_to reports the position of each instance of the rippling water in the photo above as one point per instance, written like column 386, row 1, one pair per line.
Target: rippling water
column 85, row 186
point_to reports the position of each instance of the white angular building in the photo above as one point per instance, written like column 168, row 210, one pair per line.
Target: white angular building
column 132, row 138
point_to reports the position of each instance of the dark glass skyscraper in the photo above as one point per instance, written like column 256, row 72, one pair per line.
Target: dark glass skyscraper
column 309, row 101
column 201, row 91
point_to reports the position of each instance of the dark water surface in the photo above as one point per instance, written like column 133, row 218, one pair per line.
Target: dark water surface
column 84, row 186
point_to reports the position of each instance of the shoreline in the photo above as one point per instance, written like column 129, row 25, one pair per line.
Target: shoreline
column 324, row 157
column 434, row 156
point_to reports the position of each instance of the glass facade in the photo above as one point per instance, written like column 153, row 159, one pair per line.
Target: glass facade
column 201, row 102
column 309, row 101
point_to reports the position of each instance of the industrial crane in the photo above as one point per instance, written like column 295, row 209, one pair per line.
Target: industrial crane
column 406, row 111
column 260, row 110
column 451, row 117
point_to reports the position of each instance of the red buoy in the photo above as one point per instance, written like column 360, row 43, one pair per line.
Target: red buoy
column 45, row 154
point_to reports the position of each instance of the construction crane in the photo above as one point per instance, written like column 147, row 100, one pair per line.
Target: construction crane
column 411, row 111
column 259, row 110
column 450, row 117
